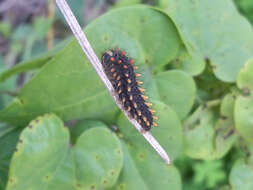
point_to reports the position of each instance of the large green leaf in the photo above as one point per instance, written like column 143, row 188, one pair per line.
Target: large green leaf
column 213, row 31
column 244, row 103
column 44, row 159
column 68, row 85
column 145, row 170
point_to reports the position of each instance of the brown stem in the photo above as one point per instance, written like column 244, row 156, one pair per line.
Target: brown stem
column 50, row 34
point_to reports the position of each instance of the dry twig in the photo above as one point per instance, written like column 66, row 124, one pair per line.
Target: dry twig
column 85, row 45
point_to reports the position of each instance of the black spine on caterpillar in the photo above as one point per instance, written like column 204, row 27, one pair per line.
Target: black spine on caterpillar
column 121, row 72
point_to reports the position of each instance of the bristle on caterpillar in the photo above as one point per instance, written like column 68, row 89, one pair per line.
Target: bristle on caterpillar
column 120, row 70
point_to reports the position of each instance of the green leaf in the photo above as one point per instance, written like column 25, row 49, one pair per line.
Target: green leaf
column 69, row 86
column 245, row 7
column 44, row 159
column 244, row 102
column 187, row 62
column 24, row 67
column 98, row 159
column 145, row 170
column 5, row 29
column 168, row 133
column 241, row 176
column 5, row 87
column 34, row 63
column 175, row 86
column 8, row 139
column 122, row 3
column 209, row 134
column 213, row 31
column 83, row 125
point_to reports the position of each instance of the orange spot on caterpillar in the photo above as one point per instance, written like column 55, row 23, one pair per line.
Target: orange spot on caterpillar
column 139, row 82
column 144, row 97
column 148, row 104
column 131, row 61
column 142, row 89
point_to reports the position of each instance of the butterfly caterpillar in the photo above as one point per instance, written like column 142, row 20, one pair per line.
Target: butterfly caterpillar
column 120, row 70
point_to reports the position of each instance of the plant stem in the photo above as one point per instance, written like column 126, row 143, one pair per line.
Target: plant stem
column 50, row 34
column 213, row 103
column 10, row 93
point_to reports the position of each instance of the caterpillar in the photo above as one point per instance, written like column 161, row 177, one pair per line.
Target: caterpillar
column 120, row 70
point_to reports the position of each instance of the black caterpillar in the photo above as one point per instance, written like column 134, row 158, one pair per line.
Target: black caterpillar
column 121, row 72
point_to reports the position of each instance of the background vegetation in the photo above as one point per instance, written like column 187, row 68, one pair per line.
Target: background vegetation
column 60, row 129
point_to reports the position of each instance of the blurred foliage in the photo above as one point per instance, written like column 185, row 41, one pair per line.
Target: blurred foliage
column 246, row 8
column 195, row 60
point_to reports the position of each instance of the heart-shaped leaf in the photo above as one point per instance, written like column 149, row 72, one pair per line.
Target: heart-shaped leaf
column 215, row 32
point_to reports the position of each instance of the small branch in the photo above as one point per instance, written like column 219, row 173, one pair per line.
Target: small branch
column 86, row 47
column 50, row 15
column 213, row 103
column 10, row 93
